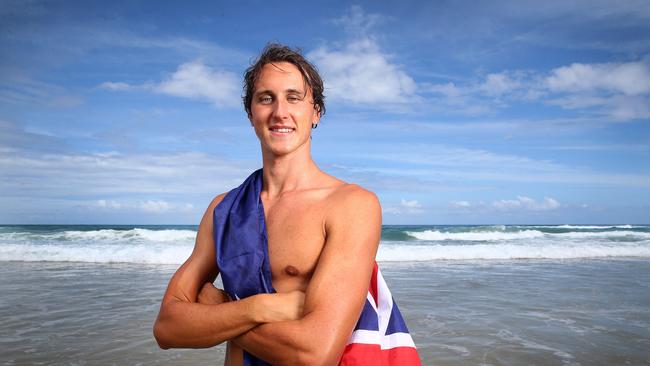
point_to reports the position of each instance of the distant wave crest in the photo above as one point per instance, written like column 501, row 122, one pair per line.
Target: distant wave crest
column 426, row 243
column 138, row 253
column 137, row 245
column 472, row 236
column 409, row 252
column 435, row 235
column 107, row 235
column 591, row 227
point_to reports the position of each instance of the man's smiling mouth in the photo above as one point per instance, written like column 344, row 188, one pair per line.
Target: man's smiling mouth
column 282, row 129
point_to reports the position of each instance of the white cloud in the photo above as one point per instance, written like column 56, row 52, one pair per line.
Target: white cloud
column 449, row 90
column 461, row 204
column 192, row 80
column 617, row 107
column 109, row 204
column 187, row 207
column 115, row 86
column 154, row 206
column 501, row 83
column 453, row 168
column 361, row 73
column 411, row 203
column 615, row 91
column 405, row 207
column 526, row 203
column 631, row 78
column 627, row 108
column 148, row 206
column 108, row 176
column 357, row 22
column 485, row 95
column 506, row 204
column 197, row 81
column 519, row 204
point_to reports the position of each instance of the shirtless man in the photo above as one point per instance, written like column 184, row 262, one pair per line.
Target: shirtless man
column 323, row 235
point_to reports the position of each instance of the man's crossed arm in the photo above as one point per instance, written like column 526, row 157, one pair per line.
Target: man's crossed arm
column 269, row 325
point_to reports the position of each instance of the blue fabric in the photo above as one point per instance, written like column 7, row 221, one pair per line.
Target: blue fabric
column 241, row 245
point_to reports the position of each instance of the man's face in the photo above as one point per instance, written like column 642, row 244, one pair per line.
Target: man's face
column 282, row 109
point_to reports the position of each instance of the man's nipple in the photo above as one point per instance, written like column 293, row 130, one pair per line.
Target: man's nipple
column 291, row 270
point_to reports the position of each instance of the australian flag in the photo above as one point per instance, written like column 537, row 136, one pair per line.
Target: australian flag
column 380, row 336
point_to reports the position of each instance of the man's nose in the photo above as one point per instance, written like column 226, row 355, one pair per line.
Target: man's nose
column 281, row 110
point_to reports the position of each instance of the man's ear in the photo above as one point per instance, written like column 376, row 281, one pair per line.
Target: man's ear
column 316, row 118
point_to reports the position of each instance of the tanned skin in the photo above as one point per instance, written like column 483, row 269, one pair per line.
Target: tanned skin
column 323, row 236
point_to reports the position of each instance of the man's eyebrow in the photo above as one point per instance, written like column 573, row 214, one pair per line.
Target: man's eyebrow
column 288, row 91
column 265, row 91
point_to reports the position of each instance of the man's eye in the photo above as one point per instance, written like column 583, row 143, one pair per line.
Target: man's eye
column 293, row 98
column 265, row 100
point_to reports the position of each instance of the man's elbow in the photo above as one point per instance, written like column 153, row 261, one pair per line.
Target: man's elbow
column 318, row 357
column 161, row 335
column 164, row 327
column 309, row 360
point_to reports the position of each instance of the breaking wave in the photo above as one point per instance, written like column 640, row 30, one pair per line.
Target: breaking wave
column 172, row 245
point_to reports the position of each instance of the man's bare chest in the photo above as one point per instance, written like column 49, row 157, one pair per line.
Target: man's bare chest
column 296, row 238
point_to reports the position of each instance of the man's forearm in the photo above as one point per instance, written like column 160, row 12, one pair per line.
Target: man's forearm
column 183, row 324
column 297, row 342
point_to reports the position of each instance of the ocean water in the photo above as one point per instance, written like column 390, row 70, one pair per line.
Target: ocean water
column 173, row 244
column 471, row 295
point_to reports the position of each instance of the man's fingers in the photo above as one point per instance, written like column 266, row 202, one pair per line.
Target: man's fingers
column 211, row 295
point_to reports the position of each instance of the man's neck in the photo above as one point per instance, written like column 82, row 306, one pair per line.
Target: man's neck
column 288, row 173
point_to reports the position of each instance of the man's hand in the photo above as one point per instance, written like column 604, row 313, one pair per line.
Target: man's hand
column 210, row 295
column 283, row 306
column 274, row 307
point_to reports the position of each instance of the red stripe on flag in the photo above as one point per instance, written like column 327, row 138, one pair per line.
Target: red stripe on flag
column 360, row 354
column 400, row 356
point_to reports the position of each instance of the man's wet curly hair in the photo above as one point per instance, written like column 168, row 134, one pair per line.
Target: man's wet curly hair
column 273, row 53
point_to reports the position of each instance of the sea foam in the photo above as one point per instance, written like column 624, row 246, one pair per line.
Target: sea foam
column 388, row 252
column 174, row 245
column 435, row 235
column 138, row 245
column 591, row 227
column 129, row 235
column 501, row 251
column 101, row 253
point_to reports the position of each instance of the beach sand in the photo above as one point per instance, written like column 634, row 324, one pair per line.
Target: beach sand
column 581, row 312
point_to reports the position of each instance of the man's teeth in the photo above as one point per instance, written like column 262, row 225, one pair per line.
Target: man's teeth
column 283, row 129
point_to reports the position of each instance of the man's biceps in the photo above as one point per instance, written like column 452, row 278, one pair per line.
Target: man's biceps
column 344, row 239
column 337, row 292
column 192, row 274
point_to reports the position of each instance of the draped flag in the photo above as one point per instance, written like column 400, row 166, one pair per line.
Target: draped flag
column 241, row 246
column 380, row 336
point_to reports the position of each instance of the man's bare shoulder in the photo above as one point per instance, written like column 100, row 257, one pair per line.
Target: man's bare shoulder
column 343, row 192
column 216, row 201
column 353, row 221
column 351, row 199
column 353, row 192
column 206, row 221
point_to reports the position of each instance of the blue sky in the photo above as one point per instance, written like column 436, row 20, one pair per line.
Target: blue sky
column 453, row 112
